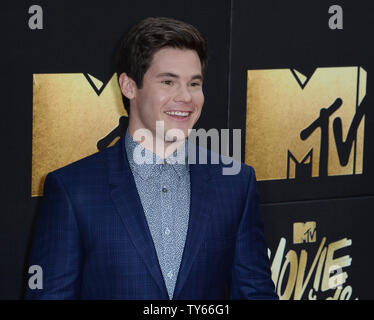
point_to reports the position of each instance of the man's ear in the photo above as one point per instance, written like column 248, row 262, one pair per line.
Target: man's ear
column 127, row 85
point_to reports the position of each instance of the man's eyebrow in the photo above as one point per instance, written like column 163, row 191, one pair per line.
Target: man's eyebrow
column 173, row 75
column 167, row 74
column 197, row 77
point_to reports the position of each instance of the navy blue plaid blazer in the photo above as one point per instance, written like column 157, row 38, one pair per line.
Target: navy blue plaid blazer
column 92, row 240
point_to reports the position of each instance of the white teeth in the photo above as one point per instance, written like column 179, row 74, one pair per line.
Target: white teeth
column 177, row 113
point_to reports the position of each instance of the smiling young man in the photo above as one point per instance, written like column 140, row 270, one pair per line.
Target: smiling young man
column 171, row 91
column 111, row 227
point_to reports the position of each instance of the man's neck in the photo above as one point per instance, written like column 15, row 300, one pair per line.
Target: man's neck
column 157, row 145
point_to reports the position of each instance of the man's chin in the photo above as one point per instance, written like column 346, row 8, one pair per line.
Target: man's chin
column 173, row 139
column 176, row 134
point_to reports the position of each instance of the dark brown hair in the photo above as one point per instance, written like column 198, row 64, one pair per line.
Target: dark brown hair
column 138, row 46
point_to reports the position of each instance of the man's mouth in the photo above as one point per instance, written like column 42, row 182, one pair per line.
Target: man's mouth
column 179, row 115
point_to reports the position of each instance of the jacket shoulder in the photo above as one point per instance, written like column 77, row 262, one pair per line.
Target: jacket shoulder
column 88, row 168
column 225, row 167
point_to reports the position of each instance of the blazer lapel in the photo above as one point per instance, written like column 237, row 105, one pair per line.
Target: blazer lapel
column 127, row 201
column 200, row 207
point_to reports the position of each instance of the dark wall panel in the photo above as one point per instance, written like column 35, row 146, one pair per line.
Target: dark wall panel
column 295, row 86
column 269, row 36
column 77, row 37
column 341, row 228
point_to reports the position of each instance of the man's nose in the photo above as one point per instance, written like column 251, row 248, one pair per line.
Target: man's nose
column 183, row 94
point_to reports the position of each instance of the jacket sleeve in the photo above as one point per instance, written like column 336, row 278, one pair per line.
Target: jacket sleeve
column 251, row 275
column 56, row 245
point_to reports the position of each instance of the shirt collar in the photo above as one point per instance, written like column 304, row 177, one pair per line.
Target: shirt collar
column 155, row 164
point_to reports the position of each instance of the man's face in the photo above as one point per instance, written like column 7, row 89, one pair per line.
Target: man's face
column 172, row 84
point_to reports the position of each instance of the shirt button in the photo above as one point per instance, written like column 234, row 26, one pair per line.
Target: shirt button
column 164, row 189
column 167, row 231
column 170, row 275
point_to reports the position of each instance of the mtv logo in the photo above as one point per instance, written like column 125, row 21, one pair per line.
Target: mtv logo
column 71, row 113
column 304, row 232
column 300, row 127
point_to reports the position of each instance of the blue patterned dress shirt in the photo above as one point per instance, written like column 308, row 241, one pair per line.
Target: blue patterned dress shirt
column 164, row 189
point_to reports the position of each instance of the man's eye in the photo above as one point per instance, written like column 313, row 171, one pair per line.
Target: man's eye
column 167, row 82
column 195, row 84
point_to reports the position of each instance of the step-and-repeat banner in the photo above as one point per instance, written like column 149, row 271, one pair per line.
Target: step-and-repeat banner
column 293, row 76
column 300, row 87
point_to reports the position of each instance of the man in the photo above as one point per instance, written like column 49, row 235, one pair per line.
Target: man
column 111, row 227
